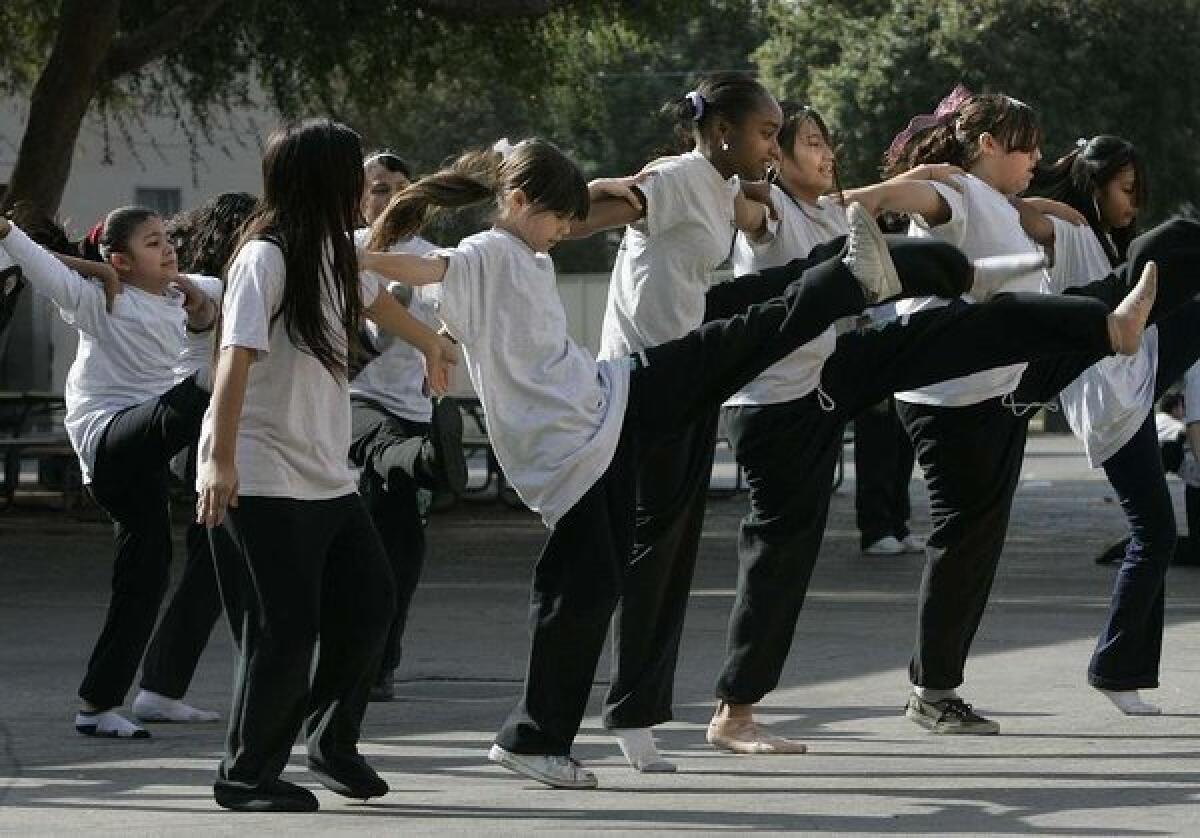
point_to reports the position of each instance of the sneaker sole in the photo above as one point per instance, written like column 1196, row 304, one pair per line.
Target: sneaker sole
column 94, row 731
column 891, row 280
column 502, row 757
column 447, row 433
column 990, row 729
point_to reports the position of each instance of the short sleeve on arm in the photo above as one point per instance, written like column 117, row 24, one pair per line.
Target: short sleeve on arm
column 457, row 297
column 666, row 199
column 253, row 294
column 953, row 231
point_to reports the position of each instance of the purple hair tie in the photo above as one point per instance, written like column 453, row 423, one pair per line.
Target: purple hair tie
column 946, row 108
column 697, row 101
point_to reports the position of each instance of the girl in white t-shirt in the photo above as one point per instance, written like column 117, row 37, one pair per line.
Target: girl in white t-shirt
column 675, row 237
column 298, row 560
column 402, row 441
column 969, row 432
column 130, row 409
column 204, row 239
column 1110, row 406
column 569, row 430
column 786, row 427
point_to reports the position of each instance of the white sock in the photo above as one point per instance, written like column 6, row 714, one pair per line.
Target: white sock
column 1130, row 703
column 152, row 707
column 932, row 695
column 637, row 744
column 108, row 724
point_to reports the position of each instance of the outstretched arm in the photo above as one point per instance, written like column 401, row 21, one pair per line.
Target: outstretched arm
column 104, row 272
column 615, row 202
column 753, row 210
column 404, row 267
column 50, row 277
column 910, row 195
column 440, row 352
column 1036, row 213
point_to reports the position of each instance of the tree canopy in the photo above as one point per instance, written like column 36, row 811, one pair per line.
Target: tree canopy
column 1088, row 66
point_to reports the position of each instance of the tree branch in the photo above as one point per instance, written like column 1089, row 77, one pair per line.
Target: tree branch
column 136, row 49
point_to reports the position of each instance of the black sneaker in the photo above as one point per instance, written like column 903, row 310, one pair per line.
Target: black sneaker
column 449, row 466
column 349, row 776
column 950, row 715
column 272, row 796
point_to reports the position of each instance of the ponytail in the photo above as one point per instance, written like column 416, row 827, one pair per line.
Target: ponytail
column 550, row 180
column 471, row 179
column 939, row 144
column 89, row 246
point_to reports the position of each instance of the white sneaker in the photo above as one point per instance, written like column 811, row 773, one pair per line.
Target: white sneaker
column 867, row 257
column 913, row 543
column 993, row 273
column 886, row 546
column 556, row 771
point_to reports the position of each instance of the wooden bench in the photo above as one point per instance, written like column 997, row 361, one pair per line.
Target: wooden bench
column 20, row 412
column 42, row 446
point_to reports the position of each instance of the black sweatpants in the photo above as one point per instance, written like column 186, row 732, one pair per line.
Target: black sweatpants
column 972, row 459
column 187, row 623
column 788, row 450
column 386, row 448
column 883, row 463
column 309, row 596
column 673, row 477
column 129, row 481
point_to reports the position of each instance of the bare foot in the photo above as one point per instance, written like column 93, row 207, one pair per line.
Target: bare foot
column 1128, row 320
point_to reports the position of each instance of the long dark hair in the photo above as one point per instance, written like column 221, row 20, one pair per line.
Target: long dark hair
column 732, row 95
column 312, row 183
column 955, row 139
column 1076, row 177
column 549, row 179
column 205, row 237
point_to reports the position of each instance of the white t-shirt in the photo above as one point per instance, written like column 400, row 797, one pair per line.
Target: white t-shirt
column 294, row 430
column 1109, row 401
column 801, row 227
column 554, row 413
column 396, row 379
column 666, row 261
column 982, row 223
column 123, row 359
column 198, row 346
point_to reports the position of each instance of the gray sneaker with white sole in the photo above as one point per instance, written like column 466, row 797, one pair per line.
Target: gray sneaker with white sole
column 950, row 715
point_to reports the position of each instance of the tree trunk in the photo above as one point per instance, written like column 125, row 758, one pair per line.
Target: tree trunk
column 59, row 102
